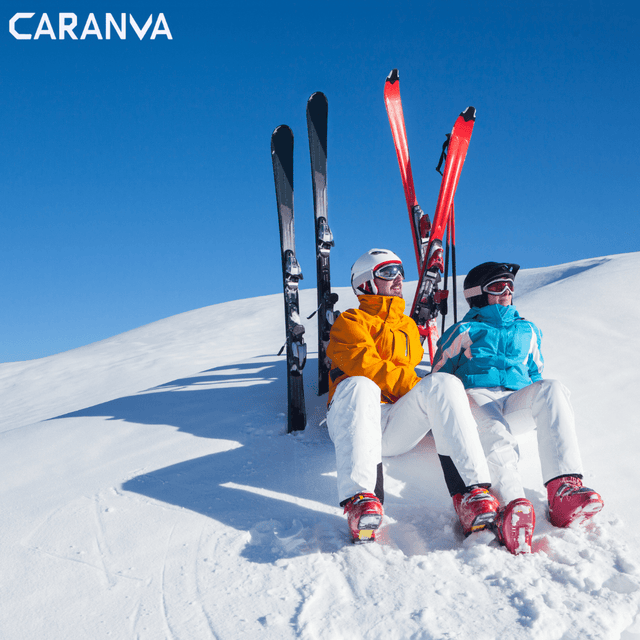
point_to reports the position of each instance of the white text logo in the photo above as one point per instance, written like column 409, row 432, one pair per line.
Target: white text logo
column 68, row 23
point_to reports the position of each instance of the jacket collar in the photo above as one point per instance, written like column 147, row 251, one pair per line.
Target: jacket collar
column 386, row 307
column 494, row 314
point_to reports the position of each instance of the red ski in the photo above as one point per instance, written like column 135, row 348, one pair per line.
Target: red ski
column 429, row 299
column 420, row 223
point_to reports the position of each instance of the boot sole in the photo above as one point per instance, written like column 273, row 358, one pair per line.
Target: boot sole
column 367, row 526
column 523, row 529
column 517, row 529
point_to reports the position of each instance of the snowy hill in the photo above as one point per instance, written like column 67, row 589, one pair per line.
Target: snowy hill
column 149, row 490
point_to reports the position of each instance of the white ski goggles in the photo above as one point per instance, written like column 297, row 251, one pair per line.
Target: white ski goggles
column 389, row 271
column 498, row 287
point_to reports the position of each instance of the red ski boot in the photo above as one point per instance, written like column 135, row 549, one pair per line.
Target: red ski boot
column 476, row 509
column 514, row 526
column 570, row 501
column 364, row 516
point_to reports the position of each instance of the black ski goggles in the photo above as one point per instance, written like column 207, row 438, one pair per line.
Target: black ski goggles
column 498, row 287
column 389, row 271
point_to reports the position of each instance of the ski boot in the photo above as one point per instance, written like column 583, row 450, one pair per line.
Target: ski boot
column 364, row 516
column 514, row 526
column 571, row 502
column 476, row 509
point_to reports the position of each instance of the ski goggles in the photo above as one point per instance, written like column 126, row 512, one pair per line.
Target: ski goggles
column 389, row 271
column 498, row 287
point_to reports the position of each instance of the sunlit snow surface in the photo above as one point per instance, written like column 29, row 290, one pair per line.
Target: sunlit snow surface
column 149, row 490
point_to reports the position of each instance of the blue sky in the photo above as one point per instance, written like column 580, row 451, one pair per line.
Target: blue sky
column 136, row 179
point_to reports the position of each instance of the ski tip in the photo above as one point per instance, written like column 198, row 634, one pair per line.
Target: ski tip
column 281, row 138
column 318, row 95
column 281, row 130
column 393, row 77
column 469, row 114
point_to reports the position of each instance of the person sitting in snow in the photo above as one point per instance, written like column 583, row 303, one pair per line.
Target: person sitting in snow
column 379, row 406
column 496, row 354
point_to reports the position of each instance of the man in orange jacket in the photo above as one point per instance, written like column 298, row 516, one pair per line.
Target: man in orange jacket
column 379, row 406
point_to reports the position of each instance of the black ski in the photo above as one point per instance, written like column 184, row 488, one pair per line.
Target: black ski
column 282, row 158
column 317, row 112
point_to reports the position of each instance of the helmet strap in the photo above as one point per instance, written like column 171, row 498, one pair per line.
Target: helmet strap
column 368, row 288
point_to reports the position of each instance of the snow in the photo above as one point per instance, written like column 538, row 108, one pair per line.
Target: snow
column 149, row 490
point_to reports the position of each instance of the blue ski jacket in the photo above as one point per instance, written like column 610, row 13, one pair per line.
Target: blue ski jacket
column 492, row 347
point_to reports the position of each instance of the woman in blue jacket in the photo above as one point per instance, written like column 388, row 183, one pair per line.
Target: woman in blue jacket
column 496, row 354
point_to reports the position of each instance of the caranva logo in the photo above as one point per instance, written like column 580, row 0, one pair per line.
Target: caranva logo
column 21, row 27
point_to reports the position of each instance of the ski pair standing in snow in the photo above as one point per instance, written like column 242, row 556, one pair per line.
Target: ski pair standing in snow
column 430, row 239
column 296, row 348
column 496, row 354
column 379, row 406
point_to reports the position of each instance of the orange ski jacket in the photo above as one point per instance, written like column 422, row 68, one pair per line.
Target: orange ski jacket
column 376, row 341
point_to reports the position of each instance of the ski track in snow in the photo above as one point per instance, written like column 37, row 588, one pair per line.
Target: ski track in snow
column 182, row 509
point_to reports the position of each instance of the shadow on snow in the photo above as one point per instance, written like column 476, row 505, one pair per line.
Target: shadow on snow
column 279, row 487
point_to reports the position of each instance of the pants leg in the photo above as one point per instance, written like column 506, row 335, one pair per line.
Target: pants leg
column 548, row 403
column 499, row 444
column 438, row 403
column 354, row 424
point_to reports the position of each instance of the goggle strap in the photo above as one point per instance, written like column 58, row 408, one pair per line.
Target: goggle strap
column 473, row 291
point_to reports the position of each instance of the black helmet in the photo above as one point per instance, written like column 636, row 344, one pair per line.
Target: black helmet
column 482, row 275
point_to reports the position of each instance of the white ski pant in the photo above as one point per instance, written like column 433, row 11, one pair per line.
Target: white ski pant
column 363, row 430
column 503, row 414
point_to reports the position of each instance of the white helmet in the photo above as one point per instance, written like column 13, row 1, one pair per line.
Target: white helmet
column 364, row 267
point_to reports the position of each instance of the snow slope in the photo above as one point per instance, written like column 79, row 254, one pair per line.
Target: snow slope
column 148, row 490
